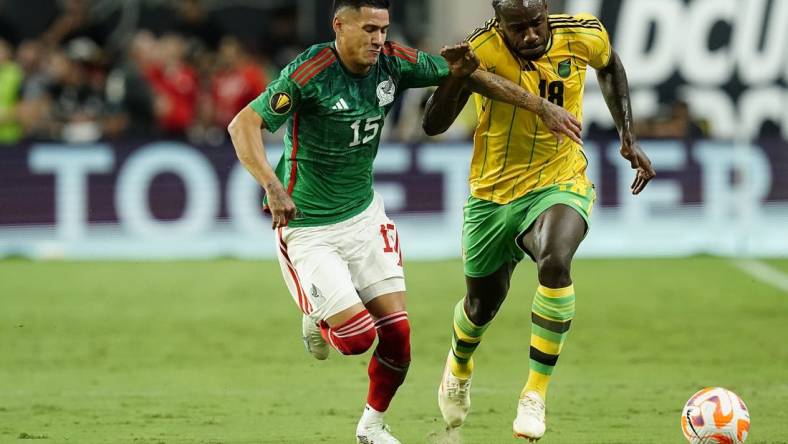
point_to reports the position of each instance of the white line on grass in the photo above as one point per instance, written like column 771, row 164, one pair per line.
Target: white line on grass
column 764, row 273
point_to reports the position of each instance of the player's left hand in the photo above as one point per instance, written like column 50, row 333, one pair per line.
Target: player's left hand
column 462, row 60
column 640, row 162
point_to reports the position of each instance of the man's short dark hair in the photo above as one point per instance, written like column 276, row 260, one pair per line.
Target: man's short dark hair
column 498, row 5
column 358, row 4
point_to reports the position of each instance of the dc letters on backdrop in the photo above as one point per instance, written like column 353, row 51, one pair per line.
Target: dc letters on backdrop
column 727, row 58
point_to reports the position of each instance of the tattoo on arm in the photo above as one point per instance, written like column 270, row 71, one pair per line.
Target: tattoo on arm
column 448, row 100
column 504, row 90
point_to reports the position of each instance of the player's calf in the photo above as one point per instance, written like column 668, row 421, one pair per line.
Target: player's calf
column 389, row 364
column 387, row 370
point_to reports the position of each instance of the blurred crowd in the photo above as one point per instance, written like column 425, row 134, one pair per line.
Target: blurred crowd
column 100, row 70
column 78, row 83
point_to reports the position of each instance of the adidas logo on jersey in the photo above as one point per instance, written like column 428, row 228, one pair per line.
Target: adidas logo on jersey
column 341, row 105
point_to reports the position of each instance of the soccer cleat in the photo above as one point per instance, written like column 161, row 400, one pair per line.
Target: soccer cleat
column 313, row 341
column 375, row 433
column 529, row 423
column 454, row 397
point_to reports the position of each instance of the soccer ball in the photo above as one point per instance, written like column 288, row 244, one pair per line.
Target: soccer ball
column 715, row 416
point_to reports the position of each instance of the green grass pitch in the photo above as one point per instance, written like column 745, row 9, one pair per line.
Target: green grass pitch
column 210, row 352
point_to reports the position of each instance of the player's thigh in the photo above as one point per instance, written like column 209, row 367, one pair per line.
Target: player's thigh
column 488, row 238
column 559, row 232
column 375, row 257
column 317, row 277
column 557, row 221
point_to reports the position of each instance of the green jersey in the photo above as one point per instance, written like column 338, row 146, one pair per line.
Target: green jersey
column 334, row 120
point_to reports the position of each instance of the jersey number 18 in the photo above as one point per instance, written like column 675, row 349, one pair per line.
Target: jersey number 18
column 554, row 92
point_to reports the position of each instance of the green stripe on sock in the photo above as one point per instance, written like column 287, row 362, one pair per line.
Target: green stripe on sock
column 563, row 300
column 541, row 368
column 551, row 312
column 559, row 310
column 551, row 307
column 463, row 348
column 558, row 338
column 460, row 359
column 464, row 344
column 465, row 324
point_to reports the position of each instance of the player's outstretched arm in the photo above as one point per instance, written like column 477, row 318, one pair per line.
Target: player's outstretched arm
column 559, row 121
column 245, row 132
column 448, row 100
column 613, row 82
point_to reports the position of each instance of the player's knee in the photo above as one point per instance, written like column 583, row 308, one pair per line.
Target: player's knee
column 478, row 312
column 482, row 310
column 355, row 344
column 555, row 270
column 355, row 336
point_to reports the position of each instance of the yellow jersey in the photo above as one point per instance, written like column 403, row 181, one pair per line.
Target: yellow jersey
column 513, row 152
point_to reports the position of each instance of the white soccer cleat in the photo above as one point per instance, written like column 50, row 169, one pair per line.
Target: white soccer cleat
column 375, row 433
column 454, row 397
column 313, row 340
column 529, row 423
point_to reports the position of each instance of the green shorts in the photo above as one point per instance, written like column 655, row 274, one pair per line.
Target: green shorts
column 490, row 230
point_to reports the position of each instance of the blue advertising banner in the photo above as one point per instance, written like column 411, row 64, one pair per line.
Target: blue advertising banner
column 172, row 200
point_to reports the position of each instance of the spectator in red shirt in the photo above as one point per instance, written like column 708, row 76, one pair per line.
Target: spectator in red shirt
column 175, row 86
column 237, row 82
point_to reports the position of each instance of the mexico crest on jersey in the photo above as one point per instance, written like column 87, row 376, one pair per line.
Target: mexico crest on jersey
column 386, row 90
column 317, row 295
column 565, row 68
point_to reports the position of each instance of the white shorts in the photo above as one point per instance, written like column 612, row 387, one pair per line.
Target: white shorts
column 330, row 268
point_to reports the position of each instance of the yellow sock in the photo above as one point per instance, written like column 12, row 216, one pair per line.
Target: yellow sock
column 537, row 382
column 459, row 369
column 551, row 316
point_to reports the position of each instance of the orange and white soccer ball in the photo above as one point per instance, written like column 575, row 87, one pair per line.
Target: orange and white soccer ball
column 715, row 416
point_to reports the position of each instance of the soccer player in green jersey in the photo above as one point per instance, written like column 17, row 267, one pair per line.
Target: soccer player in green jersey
column 339, row 252
column 530, row 194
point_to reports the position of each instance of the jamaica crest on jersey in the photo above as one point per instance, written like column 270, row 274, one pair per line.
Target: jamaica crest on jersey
column 386, row 91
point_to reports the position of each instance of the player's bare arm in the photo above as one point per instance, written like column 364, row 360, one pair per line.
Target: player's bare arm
column 448, row 100
column 559, row 121
column 613, row 82
column 248, row 142
column 453, row 93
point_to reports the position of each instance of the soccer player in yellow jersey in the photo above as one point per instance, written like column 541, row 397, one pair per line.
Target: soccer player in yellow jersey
column 529, row 189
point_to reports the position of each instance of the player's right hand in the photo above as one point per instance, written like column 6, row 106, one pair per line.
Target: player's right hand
column 282, row 207
column 461, row 59
column 561, row 122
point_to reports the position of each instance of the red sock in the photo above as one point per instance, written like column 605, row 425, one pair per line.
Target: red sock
column 389, row 364
column 354, row 337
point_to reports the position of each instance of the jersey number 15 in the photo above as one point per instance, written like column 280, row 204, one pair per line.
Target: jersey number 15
column 371, row 130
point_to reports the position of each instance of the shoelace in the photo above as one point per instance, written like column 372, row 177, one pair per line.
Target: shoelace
column 532, row 406
column 456, row 391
